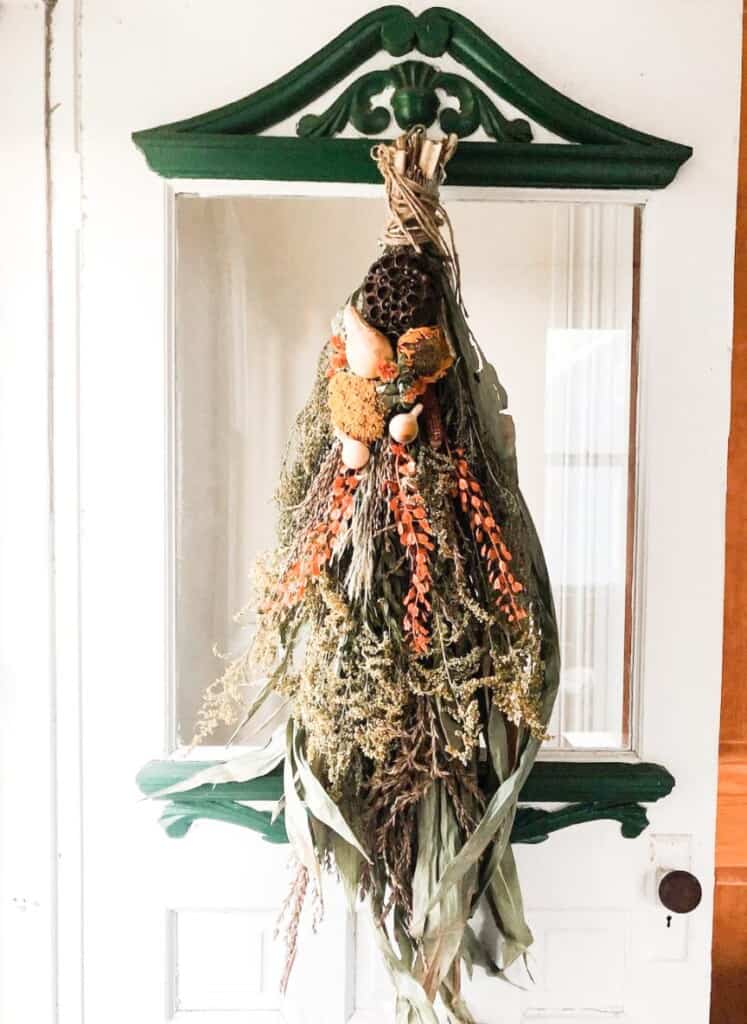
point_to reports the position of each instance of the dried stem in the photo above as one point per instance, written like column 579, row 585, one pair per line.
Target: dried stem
column 289, row 920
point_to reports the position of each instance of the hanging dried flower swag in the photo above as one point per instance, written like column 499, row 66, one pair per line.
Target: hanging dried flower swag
column 405, row 617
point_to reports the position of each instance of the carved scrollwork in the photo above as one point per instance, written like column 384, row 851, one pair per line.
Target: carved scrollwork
column 532, row 825
column 230, row 141
column 415, row 100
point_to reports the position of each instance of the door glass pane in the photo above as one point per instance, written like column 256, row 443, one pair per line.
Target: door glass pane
column 586, row 525
column 550, row 292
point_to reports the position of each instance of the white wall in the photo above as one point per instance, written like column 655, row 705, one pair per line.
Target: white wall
column 27, row 826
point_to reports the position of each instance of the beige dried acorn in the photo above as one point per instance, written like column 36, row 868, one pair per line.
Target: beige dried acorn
column 366, row 348
column 404, row 426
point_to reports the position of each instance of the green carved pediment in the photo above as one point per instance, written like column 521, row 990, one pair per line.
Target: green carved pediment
column 229, row 142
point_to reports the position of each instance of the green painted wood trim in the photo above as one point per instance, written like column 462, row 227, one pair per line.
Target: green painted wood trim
column 381, row 29
column 616, row 781
column 548, row 782
column 514, row 82
column 592, row 792
column 225, row 143
column 533, row 825
column 515, row 164
column 414, row 101
column 179, row 815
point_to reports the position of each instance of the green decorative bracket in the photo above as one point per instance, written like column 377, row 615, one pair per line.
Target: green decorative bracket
column 591, row 792
column 595, row 152
column 414, row 101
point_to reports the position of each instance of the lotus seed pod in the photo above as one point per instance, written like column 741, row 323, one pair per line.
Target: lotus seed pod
column 399, row 292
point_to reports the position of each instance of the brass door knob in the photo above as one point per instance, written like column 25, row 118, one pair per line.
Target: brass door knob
column 680, row 892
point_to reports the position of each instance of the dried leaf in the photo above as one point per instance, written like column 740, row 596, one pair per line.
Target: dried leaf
column 318, row 801
column 296, row 817
column 251, row 765
column 501, row 806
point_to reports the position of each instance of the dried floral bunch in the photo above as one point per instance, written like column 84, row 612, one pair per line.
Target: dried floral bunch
column 406, row 626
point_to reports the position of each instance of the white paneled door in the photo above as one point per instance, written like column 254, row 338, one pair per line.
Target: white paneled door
column 186, row 325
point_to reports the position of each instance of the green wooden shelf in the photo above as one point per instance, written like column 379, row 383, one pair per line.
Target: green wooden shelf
column 227, row 143
column 590, row 791
column 568, row 781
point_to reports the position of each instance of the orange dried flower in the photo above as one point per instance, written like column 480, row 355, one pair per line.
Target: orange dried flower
column 338, row 358
column 355, row 407
column 318, row 544
column 416, row 537
column 425, row 351
column 387, row 370
column 489, row 537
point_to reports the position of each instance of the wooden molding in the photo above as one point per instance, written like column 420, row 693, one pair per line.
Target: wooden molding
column 592, row 791
column 729, row 982
column 228, row 142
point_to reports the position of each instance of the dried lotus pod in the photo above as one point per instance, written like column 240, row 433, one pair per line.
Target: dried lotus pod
column 400, row 292
column 355, row 407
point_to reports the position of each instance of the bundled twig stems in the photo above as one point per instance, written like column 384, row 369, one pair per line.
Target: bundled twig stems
column 413, row 167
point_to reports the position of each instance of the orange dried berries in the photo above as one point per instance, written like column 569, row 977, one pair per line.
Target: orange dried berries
column 489, row 536
column 416, row 537
column 338, row 359
column 318, row 544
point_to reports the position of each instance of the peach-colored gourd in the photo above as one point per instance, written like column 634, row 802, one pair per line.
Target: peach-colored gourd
column 366, row 348
column 404, row 426
column 355, row 454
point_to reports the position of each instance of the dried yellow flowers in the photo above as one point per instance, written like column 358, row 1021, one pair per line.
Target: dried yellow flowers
column 355, row 407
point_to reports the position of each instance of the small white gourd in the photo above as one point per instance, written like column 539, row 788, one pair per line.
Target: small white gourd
column 355, row 454
column 403, row 427
column 365, row 347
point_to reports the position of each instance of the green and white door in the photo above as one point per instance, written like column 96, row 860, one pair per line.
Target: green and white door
column 186, row 319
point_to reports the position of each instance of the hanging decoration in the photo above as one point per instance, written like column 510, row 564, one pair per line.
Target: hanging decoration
column 406, row 626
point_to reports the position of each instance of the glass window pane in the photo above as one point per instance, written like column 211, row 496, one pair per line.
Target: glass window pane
column 587, row 395
column 550, row 293
column 257, row 283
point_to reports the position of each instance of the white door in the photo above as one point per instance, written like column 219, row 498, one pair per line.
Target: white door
column 182, row 929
